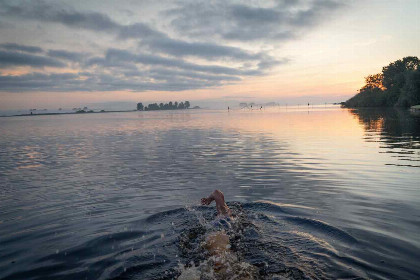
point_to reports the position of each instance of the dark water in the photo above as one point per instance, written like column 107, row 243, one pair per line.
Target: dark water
column 321, row 194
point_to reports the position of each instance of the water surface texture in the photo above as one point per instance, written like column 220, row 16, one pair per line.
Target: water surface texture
column 318, row 193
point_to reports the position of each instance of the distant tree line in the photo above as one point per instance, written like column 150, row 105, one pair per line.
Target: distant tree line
column 397, row 85
column 166, row 106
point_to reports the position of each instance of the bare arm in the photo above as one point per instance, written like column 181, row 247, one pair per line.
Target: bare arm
column 218, row 197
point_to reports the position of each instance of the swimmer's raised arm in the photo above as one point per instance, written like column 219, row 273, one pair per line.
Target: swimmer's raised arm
column 219, row 198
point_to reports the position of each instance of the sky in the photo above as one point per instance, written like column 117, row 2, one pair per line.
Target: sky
column 212, row 53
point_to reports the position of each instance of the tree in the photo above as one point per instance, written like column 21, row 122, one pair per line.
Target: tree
column 154, row 106
column 369, row 97
column 393, row 74
column 397, row 85
column 187, row 104
column 162, row 106
column 374, row 81
column 410, row 93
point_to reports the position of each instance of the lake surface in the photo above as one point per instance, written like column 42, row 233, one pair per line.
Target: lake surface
column 320, row 193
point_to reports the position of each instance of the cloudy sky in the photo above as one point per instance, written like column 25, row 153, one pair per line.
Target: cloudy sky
column 72, row 53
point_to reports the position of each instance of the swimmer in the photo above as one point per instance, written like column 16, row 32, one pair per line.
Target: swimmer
column 217, row 243
column 222, row 262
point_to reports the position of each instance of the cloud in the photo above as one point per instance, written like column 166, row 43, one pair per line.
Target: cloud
column 11, row 58
column 37, row 81
column 122, row 70
column 139, row 31
column 197, row 45
column 118, row 57
column 200, row 49
column 48, row 12
column 163, row 74
column 147, row 36
column 267, row 21
column 23, row 48
column 99, row 82
column 67, row 55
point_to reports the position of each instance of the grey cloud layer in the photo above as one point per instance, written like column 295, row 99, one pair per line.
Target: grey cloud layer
column 237, row 21
column 12, row 58
column 100, row 82
column 160, row 61
column 115, row 70
column 66, row 55
column 156, row 40
column 17, row 47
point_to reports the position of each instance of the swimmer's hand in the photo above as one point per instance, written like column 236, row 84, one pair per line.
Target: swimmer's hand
column 206, row 201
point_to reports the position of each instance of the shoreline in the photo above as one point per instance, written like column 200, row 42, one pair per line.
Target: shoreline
column 84, row 113
column 67, row 113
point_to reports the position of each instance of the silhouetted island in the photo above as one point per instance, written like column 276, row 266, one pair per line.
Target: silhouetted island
column 166, row 106
column 397, row 85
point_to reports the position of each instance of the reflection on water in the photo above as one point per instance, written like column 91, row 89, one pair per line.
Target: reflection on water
column 397, row 130
column 321, row 193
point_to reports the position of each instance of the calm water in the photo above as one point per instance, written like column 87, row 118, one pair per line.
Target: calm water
column 318, row 193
